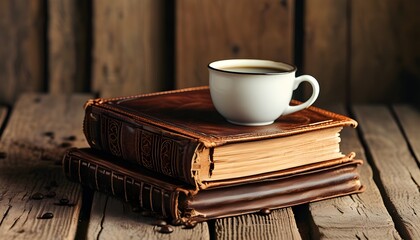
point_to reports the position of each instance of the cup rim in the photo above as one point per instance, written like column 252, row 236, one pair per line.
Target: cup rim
column 290, row 67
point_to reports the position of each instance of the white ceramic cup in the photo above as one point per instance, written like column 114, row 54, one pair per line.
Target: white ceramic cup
column 256, row 92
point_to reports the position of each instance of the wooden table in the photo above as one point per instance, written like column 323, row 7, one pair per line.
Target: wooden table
column 38, row 129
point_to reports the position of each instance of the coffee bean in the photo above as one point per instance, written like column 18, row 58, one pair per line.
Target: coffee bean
column 47, row 215
column 37, row 196
column 165, row 229
column 160, row 222
column 265, row 211
column 50, row 194
column 64, row 201
column 190, row 224
column 177, row 222
column 49, row 134
column 65, row 145
column 70, row 138
column 3, row 155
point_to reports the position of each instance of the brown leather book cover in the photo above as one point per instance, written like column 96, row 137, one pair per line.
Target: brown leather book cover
column 180, row 134
column 175, row 200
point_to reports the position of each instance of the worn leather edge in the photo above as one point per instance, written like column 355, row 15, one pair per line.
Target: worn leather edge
column 164, row 195
column 213, row 141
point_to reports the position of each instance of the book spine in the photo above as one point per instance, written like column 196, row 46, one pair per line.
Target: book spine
column 150, row 147
column 145, row 195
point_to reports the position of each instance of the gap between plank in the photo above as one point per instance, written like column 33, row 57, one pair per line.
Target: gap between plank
column 4, row 119
column 399, row 225
column 103, row 218
column 84, row 215
column 212, row 229
column 407, row 139
column 304, row 221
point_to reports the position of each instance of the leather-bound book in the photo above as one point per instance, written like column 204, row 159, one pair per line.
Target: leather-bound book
column 166, row 197
column 180, row 134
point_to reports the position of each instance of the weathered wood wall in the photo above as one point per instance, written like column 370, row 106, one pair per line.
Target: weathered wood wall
column 209, row 30
column 360, row 51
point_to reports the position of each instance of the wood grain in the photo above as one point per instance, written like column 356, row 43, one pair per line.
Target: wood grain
column 22, row 58
column 395, row 169
column 326, row 53
column 40, row 129
column 68, row 52
column 113, row 219
column 384, row 50
column 209, row 30
column 280, row 224
column 359, row 216
column 129, row 47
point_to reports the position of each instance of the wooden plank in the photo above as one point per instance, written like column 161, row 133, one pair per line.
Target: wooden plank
column 326, row 53
column 280, row 224
column 409, row 117
column 209, row 30
column 39, row 130
column 395, row 169
column 130, row 47
column 22, row 48
column 113, row 219
column 68, row 53
column 384, row 50
column 359, row 216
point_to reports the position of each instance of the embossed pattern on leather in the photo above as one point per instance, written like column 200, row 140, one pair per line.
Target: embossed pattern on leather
column 150, row 148
column 114, row 136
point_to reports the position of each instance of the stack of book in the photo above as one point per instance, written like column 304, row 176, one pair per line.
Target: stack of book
column 171, row 153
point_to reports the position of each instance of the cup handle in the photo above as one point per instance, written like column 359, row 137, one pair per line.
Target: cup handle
column 315, row 92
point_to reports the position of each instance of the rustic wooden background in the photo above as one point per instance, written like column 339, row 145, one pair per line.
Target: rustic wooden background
column 360, row 51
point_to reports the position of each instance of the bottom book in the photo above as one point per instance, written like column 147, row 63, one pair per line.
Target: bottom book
column 169, row 198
